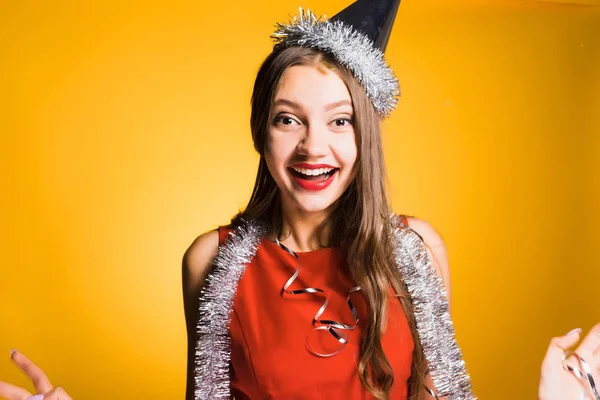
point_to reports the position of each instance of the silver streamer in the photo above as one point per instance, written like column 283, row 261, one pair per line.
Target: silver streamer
column 211, row 375
column 426, row 289
column 351, row 48
column 432, row 315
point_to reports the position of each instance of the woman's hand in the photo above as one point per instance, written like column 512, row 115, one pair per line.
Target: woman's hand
column 40, row 381
column 556, row 382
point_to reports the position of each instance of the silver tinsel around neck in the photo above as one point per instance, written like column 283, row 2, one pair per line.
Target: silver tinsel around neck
column 349, row 47
column 434, row 325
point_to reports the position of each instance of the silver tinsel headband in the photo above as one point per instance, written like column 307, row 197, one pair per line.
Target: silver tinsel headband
column 349, row 47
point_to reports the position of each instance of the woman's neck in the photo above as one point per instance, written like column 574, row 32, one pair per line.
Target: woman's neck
column 300, row 229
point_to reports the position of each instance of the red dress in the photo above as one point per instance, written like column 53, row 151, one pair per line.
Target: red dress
column 268, row 330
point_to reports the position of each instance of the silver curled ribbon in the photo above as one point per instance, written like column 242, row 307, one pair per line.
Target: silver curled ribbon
column 431, row 392
column 586, row 375
column 335, row 328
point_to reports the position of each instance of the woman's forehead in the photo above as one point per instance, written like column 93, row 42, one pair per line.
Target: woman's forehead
column 312, row 85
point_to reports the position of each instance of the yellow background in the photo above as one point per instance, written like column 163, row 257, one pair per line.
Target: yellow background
column 124, row 134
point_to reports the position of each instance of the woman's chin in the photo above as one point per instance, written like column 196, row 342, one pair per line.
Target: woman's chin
column 314, row 205
column 311, row 202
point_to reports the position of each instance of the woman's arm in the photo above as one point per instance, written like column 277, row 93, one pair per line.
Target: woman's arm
column 196, row 264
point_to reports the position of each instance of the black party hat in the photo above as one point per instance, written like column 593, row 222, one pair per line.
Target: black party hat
column 374, row 18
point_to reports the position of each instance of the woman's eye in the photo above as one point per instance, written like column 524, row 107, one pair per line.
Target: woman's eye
column 284, row 120
column 342, row 122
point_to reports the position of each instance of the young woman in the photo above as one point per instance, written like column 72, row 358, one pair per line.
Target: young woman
column 316, row 290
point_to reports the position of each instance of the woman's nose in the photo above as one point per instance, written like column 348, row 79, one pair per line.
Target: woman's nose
column 314, row 143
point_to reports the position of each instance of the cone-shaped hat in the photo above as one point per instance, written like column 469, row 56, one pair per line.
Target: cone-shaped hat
column 374, row 18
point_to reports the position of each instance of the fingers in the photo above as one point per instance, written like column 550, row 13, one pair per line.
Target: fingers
column 556, row 350
column 38, row 377
column 566, row 341
column 12, row 392
column 590, row 344
column 58, row 393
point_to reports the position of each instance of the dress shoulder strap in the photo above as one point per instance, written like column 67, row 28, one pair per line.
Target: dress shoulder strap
column 404, row 219
column 223, row 233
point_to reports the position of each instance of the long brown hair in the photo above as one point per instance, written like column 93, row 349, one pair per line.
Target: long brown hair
column 360, row 219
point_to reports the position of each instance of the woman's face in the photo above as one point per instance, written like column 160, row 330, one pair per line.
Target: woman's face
column 311, row 147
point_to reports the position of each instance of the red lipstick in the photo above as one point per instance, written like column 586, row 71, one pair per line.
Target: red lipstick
column 311, row 166
column 311, row 184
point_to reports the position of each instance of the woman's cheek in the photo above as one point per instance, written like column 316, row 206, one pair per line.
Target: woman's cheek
column 276, row 156
column 348, row 152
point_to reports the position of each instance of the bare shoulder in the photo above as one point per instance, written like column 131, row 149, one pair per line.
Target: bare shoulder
column 196, row 265
column 426, row 231
column 198, row 258
column 436, row 249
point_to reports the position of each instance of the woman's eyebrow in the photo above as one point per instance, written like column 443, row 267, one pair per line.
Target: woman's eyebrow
column 285, row 102
column 328, row 107
column 336, row 104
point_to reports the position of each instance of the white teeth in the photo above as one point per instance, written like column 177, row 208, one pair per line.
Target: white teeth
column 312, row 172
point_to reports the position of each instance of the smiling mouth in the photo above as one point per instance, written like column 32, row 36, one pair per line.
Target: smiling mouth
column 314, row 175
